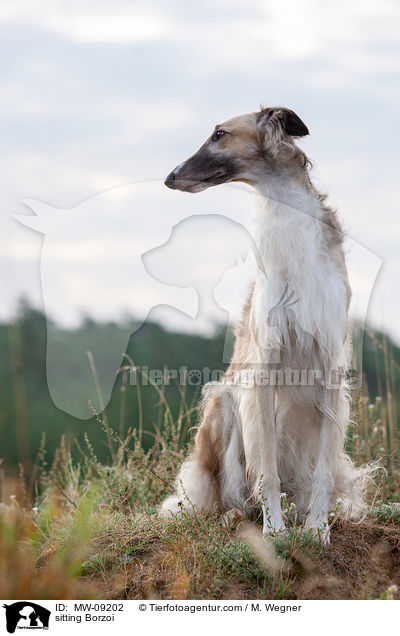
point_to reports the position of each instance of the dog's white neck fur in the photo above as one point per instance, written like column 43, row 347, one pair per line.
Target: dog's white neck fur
column 291, row 238
column 288, row 191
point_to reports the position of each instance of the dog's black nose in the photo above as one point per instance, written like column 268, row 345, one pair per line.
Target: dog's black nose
column 170, row 180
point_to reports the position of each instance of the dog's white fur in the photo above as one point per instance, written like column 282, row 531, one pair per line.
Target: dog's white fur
column 257, row 441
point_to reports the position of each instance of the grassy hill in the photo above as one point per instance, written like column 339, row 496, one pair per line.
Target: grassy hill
column 93, row 532
column 78, row 518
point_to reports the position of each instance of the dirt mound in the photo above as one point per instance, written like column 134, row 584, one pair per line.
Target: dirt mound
column 362, row 562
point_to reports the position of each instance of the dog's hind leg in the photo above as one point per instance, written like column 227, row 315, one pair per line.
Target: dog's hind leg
column 235, row 493
column 202, row 479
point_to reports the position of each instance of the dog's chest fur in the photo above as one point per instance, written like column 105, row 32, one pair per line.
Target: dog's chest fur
column 299, row 254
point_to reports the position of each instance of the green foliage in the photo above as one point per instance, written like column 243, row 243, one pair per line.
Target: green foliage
column 389, row 593
column 294, row 539
column 26, row 408
column 386, row 511
column 27, row 411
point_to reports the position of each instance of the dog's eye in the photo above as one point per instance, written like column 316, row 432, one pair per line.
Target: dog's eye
column 217, row 135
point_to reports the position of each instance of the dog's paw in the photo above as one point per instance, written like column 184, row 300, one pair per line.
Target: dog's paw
column 319, row 527
column 232, row 518
column 271, row 528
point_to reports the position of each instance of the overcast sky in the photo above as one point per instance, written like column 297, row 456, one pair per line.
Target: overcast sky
column 97, row 95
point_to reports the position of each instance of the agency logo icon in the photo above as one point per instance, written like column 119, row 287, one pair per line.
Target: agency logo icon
column 26, row 615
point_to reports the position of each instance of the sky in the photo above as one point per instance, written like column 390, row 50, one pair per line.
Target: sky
column 97, row 96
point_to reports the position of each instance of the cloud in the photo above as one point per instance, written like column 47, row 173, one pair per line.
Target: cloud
column 96, row 94
column 110, row 23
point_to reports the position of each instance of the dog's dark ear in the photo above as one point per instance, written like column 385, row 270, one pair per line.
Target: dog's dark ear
column 286, row 119
column 292, row 124
column 276, row 125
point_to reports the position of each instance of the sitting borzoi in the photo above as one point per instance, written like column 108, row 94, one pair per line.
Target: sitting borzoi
column 255, row 441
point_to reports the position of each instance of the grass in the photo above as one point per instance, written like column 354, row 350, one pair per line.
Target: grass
column 90, row 530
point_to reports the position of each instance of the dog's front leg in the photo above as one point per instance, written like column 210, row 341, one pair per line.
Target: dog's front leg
column 257, row 411
column 270, row 485
column 323, row 480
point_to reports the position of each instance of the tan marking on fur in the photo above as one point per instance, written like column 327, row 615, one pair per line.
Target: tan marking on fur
column 208, row 443
column 243, row 139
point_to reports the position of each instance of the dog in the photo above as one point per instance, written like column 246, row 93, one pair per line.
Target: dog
column 276, row 434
